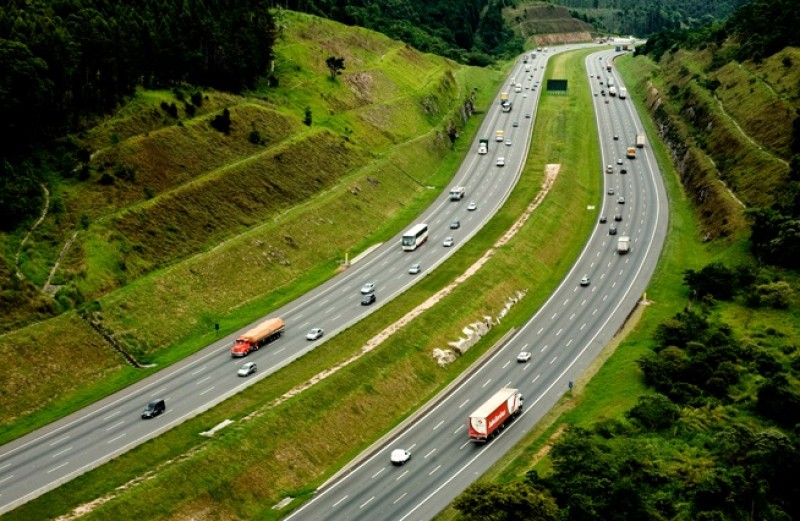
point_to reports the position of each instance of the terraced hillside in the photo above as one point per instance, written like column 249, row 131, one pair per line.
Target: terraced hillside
column 172, row 226
column 542, row 23
column 729, row 129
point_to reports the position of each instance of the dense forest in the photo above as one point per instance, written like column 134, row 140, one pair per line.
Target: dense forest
column 646, row 18
column 64, row 60
column 470, row 31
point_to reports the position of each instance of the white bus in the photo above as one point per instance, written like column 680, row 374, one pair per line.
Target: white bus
column 415, row 237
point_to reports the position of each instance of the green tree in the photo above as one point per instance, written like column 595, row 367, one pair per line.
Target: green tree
column 335, row 66
column 505, row 502
column 25, row 96
column 715, row 280
column 21, row 196
column 654, row 412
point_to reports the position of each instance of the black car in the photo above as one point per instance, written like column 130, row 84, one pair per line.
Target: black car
column 366, row 300
column 154, row 408
column 618, row 217
column 612, row 230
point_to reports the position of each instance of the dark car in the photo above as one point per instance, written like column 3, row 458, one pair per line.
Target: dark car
column 618, row 217
column 612, row 230
column 602, row 218
column 154, row 408
column 366, row 300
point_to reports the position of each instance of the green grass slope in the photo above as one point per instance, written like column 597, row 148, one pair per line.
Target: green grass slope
column 728, row 129
column 197, row 227
column 540, row 23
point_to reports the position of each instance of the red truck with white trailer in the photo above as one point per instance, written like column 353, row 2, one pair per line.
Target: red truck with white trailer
column 264, row 333
column 494, row 414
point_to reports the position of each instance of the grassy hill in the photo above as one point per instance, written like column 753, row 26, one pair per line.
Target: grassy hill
column 540, row 23
column 728, row 128
column 178, row 226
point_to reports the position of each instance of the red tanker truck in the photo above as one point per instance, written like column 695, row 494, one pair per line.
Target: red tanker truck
column 494, row 414
column 264, row 333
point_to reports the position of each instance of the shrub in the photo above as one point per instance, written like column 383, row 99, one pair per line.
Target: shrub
column 654, row 412
column 197, row 99
column 170, row 108
column 777, row 295
column 255, row 137
column 222, row 122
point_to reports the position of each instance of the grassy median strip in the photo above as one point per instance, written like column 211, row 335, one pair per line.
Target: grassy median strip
column 613, row 384
column 287, row 450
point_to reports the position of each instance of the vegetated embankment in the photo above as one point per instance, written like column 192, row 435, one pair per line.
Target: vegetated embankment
column 184, row 224
column 727, row 129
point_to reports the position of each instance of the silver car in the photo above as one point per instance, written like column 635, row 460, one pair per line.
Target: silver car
column 247, row 369
column 315, row 333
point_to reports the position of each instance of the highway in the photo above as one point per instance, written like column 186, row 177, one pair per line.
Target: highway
column 57, row 453
column 565, row 336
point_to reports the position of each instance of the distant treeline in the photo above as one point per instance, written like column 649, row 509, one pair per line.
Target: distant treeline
column 61, row 59
column 760, row 29
column 469, row 31
column 645, row 18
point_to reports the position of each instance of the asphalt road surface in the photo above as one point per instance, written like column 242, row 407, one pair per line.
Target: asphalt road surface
column 57, row 453
column 565, row 336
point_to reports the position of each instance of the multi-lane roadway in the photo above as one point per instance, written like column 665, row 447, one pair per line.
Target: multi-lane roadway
column 565, row 335
column 51, row 456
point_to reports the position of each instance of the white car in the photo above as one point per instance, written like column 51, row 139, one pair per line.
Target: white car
column 523, row 357
column 247, row 369
column 315, row 333
column 501, row 161
column 415, row 268
column 448, row 241
column 400, row 456
column 367, row 288
column 472, row 206
column 508, row 142
column 585, row 281
column 619, row 161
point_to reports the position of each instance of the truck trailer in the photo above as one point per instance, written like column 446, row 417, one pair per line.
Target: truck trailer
column 640, row 141
column 457, row 193
column 623, row 244
column 494, row 414
column 264, row 333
